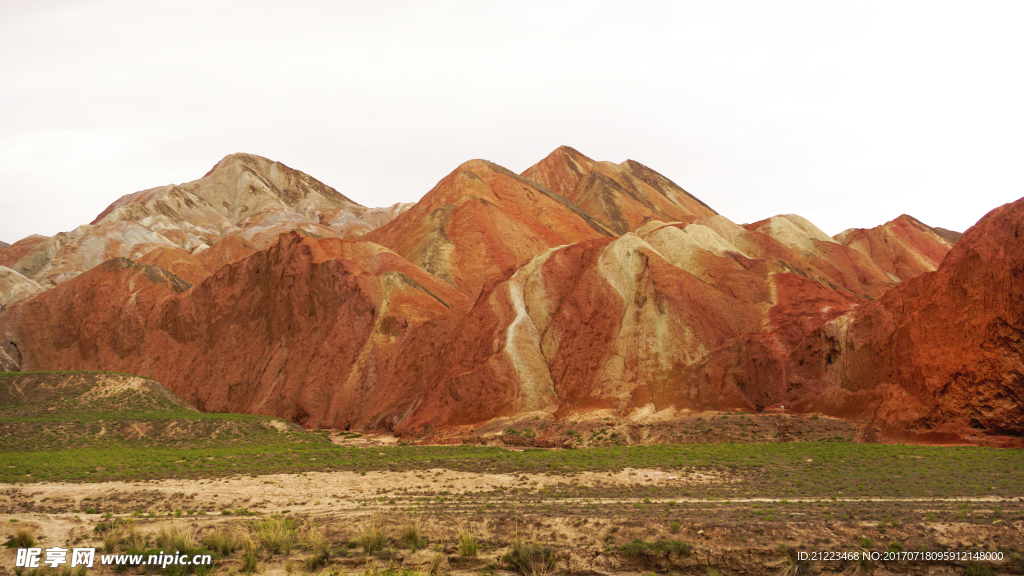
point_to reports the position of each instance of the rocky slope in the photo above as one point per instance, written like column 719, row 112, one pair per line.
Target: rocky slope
column 500, row 295
column 904, row 247
column 299, row 327
column 944, row 350
column 481, row 220
column 623, row 196
column 243, row 196
column 844, row 267
column 15, row 287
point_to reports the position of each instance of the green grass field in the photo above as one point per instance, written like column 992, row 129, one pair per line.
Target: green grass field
column 775, row 470
column 91, row 427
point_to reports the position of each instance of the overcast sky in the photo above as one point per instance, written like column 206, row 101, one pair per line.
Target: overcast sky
column 847, row 113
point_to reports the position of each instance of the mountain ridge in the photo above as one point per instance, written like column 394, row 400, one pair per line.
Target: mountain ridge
column 495, row 295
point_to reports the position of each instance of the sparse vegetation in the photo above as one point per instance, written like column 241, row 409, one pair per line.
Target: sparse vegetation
column 314, row 540
column 277, row 535
column 638, row 548
column 177, row 537
column 222, row 541
column 372, row 537
column 412, row 534
column 468, row 545
column 979, row 570
column 530, row 559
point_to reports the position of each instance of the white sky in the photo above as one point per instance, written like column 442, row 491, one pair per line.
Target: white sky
column 847, row 113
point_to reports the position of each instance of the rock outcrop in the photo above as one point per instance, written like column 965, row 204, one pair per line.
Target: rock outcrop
column 950, row 235
column 944, row 350
column 844, row 266
column 15, row 252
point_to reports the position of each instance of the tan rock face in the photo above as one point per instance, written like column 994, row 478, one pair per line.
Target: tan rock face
column 845, row 267
column 243, row 195
column 15, row 287
column 178, row 262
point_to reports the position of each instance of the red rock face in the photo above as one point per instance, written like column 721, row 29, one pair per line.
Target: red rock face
column 11, row 254
column 177, row 262
column 904, row 247
column 623, row 197
column 227, row 251
column 300, row 329
column 943, row 349
column 481, row 219
column 97, row 319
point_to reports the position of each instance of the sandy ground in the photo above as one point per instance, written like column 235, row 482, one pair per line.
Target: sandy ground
column 315, row 492
column 589, row 541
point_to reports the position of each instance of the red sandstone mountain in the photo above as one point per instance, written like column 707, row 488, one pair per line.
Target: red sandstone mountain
column 299, row 328
column 482, row 219
column 844, row 267
column 941, row 351
column 950, row 235
column 904, row 247
column 496, row 295
column 623, row 196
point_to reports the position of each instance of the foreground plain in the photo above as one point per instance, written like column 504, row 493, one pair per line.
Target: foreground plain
column 113, row 460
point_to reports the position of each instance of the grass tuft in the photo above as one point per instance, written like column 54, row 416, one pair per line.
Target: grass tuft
column 314, row 540
column 791, row 565
column 530, row 559
column 23, row 538
column 111, row 537
column 250, row 554
column 468, row 546
column 371, row 537
column 277, row 535
column 177, row 538
column 222, row 541
column 412, row 534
